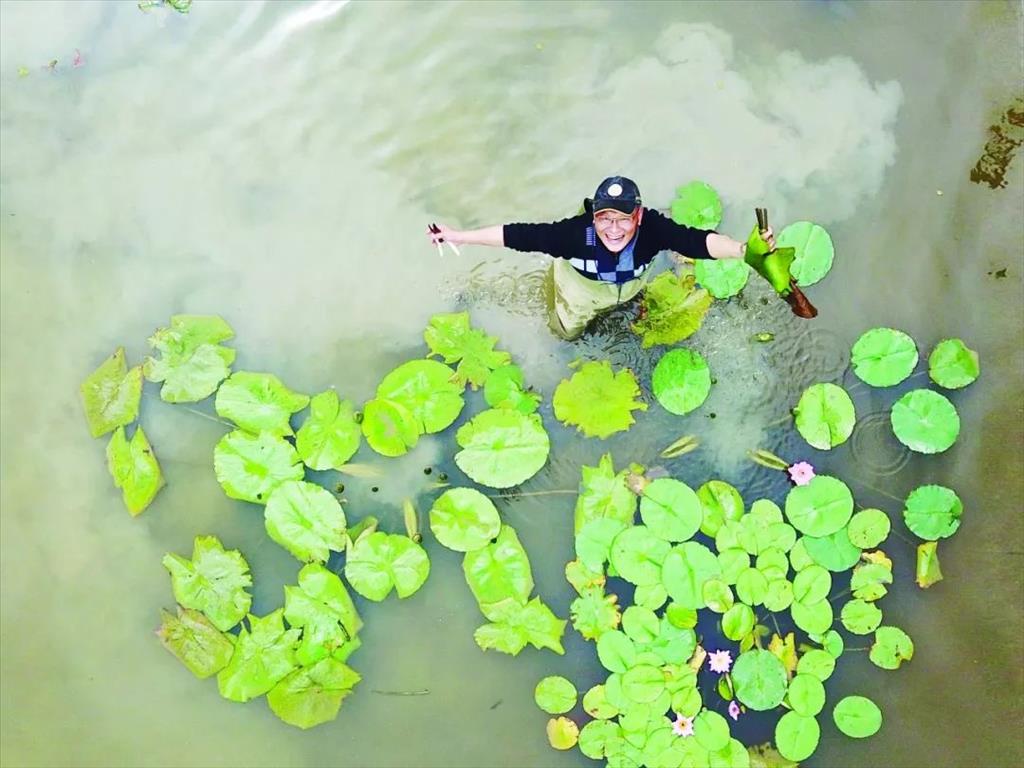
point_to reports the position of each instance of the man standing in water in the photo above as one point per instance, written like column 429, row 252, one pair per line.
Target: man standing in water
column 603, row 254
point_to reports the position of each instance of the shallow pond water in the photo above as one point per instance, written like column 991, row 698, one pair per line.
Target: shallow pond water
column 277, row 163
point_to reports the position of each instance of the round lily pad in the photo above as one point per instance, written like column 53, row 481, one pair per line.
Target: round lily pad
column 464, row 519
column 819, row 663
column 779, row 595
column 738, row 621
column 814, row 618
column 563, row 733
column 752, row 586
column 814, row 251
column 858, row 717
column 637, row 555
column 733, row 561
column 883, row 357
column 390, row 428
column 597, row 400
column 925, row 421
column 426, row 388
column 555, row 695
column 868, row 528
column 860, row 617
column 796, row 736
column 596, row 736
column 812, row 584
column 933, row 512
column 670, row 509
column 640, row 624
column 952, row 364
column 806, row 695
column 681, row 380
column 643, row 683
column 684, row 571
column 616, row 652
column 594, row 541
column 720, row 502
column 249, row 467
column 760, row 680
column 382, row 561
column 717, row 595
column 596, row 704
column 722, row 277
column 821, row 507
column 711, row 730
column 305, row 519
column 825, row 416
column 697, row 205
column 502, row 447
column 834, row 551
column 891, row 648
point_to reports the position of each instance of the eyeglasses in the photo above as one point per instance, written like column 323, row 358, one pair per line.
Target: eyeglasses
column 605, row 221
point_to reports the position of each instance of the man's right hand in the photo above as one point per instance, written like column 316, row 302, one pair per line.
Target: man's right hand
column 440, row 233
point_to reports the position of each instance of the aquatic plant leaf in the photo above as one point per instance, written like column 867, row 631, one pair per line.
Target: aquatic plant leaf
column 717, row 595
column 502, row 447
column 563, row 733
column 505, row 388
column 598, row 401
column 330, row 435
column 249, row 467
column 616, row 651
column 674, row 309
column 891, row 648
column 499, row 571
column 814, row 251
column 427, row 390
column 135, row 470
column 834, row 551
column 381, row 561
column 264, row 654
column 199, row 645
column 883, row 357
column 952, row 364
column 813, row 618
column 463, row 519
column 785, row 651
column 733, row 561
column 305, row 519
column 821, row 507
column 857, row 716
column 594, row 541
column 697, row 205
column 722, row 277
column 582, row 577
column 927, row 571
column 812, row 584
column 322, row 607
column 595, row 737
column 720, row 502
column 779, row 595
column 643, row 683
column 806, row 695
column 258, row 402
column 861, row 617
column 869, row 580
column 312, row 695
column 637, row 555
column 111, row 394
column 390, row 428
column 671, row 509
column 868, row 528
column 450, row 337
column 925, row 421
column 603, row 493
column 641, row 625
column 825, row 416
column 192, row 361
column 751, row 586
column 797, row 736
column 593, row 613
column 515, row 623
column 738, row 622
column 681, row 380
column 759, row 680
column 555, row 695
column 685, row 569
column 214, row 581
column 932, row 512
column 596, row 704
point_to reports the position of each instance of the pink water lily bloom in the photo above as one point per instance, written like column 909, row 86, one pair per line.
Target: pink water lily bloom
column 683, row 726
column 734, row 710
column 720, row 661
column 801, row 473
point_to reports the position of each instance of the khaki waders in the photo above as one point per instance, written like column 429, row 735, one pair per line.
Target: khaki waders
column 574, row 300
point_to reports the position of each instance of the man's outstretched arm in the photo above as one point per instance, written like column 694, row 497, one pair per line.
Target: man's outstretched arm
column 494, row 236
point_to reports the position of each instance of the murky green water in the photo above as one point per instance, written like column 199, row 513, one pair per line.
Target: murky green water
column 277, row 163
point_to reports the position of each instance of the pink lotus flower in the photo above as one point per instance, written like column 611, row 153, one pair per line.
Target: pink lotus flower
column 720, row 661
column 683, row 726
column 734, row 710
column 801, row 473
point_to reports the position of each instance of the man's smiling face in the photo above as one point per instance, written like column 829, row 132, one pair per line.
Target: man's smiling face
column 615, row 228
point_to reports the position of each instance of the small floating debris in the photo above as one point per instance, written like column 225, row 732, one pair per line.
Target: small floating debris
column 763, row 337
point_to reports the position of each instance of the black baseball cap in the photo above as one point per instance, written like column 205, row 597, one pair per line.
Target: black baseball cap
column 617, row 193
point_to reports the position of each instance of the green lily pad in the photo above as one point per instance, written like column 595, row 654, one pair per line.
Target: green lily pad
column 214, row 581
column 738, row 622
column 598, row 401
column 464, row 519
column 868, row 528
column 891, row 648
column 858, row 717
column 869, row 580
column 330, row 435
column 514, row 624
column 711, row 730
column 305, row 519
column 927, row 571
column 779, row 595
column 814, row 251
column 760, row 680
column 616, row 651
column 806, row 695
column 637, row 555
column 264, row 654
column 733, row 561
column 860, row 617
column 603, row 493
column 818, row 663
column 821, row 507
column 499, row 571
column 111, row 394
column 813, row 618
column 883, row 357
column 593, row 613
column 309, row 696
column 722, row 277
column 259, row 402
column 697, row 205
column 717, row 595
column 596, row 704
column 555, row 695
column 834, row 551
column 192, row 361
column 390, row 428
column 381, row 561
column 197, row 644
column 322, row 607
column 752, row 586
column 720, row 502
column 825, row 416
column 671, row 509
column 594, row 541
column 812, row 584
column 685, row 569
column 502, row 448
column 933, row 512
column 674, row 309
column 643, row 683
column 250, row 467
column 796, row 736
column 505, row 388
column 135, row 470
column 925, row 421
column 451, row 338
column 427, row 390
column 596, row 736
column 681, row 380
column 952, row 364
column 563, row 733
